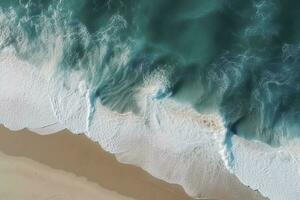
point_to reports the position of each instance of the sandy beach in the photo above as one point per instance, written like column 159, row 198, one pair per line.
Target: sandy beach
column 22, row 178
column 63, row 166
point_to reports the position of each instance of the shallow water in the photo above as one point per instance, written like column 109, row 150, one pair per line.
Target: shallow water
column 237, row 57
column 230, row 58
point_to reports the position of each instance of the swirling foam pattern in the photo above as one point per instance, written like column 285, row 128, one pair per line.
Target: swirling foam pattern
column 198, row 93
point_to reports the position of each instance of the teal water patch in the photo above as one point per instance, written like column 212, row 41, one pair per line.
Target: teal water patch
column 240, row 58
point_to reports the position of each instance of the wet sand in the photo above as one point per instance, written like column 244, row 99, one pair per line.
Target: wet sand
column 25, row 179
column 79, row 160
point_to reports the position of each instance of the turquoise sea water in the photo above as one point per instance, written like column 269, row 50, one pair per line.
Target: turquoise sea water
column 237, row 57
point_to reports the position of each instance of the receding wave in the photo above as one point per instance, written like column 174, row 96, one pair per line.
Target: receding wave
column 199, row 81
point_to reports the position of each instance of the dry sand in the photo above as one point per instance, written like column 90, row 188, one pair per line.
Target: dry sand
column 24, row 179
column 76, row 165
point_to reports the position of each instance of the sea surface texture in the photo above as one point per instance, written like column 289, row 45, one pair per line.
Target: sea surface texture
column 202, row 93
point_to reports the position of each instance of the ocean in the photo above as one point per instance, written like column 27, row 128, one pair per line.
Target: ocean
column 197, row 81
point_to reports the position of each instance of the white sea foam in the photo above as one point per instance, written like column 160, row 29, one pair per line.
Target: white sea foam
column 273, row 171
column 24, row 101
column 169, row 140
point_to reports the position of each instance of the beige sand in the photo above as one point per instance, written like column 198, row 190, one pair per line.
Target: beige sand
column 75, row 156
column 24, row 179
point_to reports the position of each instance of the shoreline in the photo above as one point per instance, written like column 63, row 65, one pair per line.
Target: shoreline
column 80, row 156
column 22, row 178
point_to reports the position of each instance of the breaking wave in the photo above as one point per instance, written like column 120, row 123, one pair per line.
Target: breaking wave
column 186, row 90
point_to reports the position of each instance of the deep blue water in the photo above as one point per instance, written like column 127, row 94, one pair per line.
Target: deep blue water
column 238, row 57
